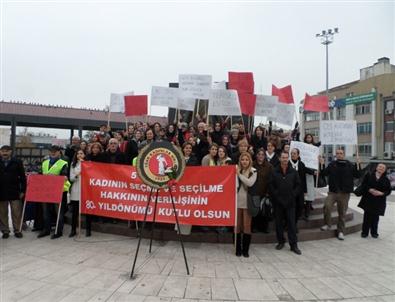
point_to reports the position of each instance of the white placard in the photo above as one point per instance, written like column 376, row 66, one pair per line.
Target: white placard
column 186, row 104
column 194, row 86
column 117, row 101
column 266, row 105
column 219, row 85
column 338, row 132
column 308, row 153
column 223, row 102
column 164, row 96
column 285, row 114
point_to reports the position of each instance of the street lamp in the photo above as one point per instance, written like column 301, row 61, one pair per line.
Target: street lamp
column 326, row 39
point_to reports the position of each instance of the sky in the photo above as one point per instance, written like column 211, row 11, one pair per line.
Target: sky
column 77, row 52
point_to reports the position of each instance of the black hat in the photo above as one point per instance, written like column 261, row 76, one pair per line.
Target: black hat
column 55, row 148
column 6, row 147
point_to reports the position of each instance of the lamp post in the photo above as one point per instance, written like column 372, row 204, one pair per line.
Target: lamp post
column 326, row 39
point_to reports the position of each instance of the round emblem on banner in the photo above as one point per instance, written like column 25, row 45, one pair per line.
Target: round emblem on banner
column 160, row 162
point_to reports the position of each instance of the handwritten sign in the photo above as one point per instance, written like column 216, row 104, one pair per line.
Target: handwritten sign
column 117, row 102
column 338, row 132
column 285, row 114
column 308, row 153
column 266, row 105
column 164, row 96
column 186, row 104
column 35, row 191
column 194, row 86
column 223, row 102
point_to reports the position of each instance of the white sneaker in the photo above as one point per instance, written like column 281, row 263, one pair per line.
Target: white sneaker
column 325, row 228
column 340, row 236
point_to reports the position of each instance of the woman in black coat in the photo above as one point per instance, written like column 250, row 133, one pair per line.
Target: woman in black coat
column 376, row 186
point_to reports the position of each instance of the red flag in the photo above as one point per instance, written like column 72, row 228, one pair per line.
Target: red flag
column 284, row 94
column 241, row 81
column 247, row 103
column 318, row 103
column 136, row 105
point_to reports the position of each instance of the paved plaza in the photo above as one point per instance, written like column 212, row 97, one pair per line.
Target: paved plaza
column 98, row 268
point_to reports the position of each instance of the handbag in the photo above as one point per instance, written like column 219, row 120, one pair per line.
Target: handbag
column 361, row 189
column 253, row 204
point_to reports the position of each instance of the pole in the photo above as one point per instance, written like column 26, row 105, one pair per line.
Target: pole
column 179, row 231
column 79, row 218
column 139, row 234
column 57, row 219
column 153, row 221
column 23, row 215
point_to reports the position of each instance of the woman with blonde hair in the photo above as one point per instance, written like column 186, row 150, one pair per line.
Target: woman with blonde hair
column 246, row 178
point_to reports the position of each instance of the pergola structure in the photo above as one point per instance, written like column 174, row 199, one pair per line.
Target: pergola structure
column 62, row 117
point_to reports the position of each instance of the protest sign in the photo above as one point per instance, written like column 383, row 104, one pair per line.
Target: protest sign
column 219, row 85
column 223, row 102
column 285, row 114
column 36, row 193
column 164, row 96
column 136, row 105
column 308, row 153
column 316, row 103
column 203, row 196
column 194, row 86
column 117, row 103
column 243, row 82
column 338, row 132
column 247, row 103
column 186, row 104
column 284, row 94
column 266, row 106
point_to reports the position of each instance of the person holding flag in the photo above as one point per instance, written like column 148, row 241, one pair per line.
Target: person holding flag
column 55, row 165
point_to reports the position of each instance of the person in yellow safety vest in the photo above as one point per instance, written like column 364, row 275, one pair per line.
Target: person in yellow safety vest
column 54, row 165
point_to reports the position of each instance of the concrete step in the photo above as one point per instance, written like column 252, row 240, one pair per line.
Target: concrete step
column 165, row 232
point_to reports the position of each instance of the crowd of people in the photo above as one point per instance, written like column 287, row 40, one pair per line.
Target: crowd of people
column 273, row 182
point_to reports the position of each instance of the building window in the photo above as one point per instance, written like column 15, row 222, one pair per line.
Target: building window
column 389, row 126
column 364, row 128
column 388, row 147
column 389, row 107
column 341, row 113
column 365, row 149
column 312, row 116
column 363, row 109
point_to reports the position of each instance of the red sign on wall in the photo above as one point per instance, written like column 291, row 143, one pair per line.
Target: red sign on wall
column 44, row 188
column 203, row 196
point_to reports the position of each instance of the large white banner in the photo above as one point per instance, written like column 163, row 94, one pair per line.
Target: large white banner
column 186, row 104
column 194, row 86
column 308, row 153
column 219, row 85
column 223, row 102
column 285, row 114
column 338, row 132
column 266, row 105
column 164, row 96
column 117, row 101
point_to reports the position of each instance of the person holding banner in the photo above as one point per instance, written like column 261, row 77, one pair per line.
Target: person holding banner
column 54, row 165
column 211, row 158
column 12, row 191
column 341, row 174
column 246, row 178
column 375, row 188
column 75, row 172
column 284, row 190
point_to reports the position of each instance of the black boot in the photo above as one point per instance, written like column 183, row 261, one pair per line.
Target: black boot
column 238, row 244
column 246, row 244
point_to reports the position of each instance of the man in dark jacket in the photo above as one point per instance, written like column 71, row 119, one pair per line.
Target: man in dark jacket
column 284, row 188
column 341, row 175
column 113, row 155
column 12, row 190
